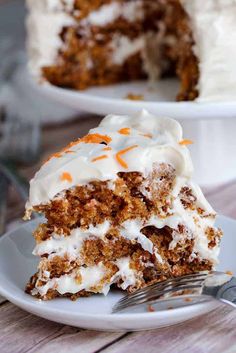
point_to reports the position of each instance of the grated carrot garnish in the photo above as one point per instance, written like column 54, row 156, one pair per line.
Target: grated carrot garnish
column 124, row 131
column 121, row 152
column 107, row 149
column 186, row 142
column 69, row 151
column 95, row 138
column 66, row 177
column 90, row 138
column 146, row 135
column 99, row 158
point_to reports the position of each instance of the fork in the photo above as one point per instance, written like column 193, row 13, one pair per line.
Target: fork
column 203, row 285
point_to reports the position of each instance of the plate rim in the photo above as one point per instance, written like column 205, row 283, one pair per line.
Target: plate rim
column 117, row 317
column 83, row 99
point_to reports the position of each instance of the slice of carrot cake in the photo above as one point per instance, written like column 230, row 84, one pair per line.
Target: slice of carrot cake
column 121, row 209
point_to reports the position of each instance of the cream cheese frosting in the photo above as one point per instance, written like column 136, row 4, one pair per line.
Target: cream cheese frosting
column 131, row 11
column 89, row 278
column 150, row 140
column 214, row 31
column 45, row 17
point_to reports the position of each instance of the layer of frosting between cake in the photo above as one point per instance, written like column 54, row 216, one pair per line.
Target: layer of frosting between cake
column 87, row 278
column 130, row 11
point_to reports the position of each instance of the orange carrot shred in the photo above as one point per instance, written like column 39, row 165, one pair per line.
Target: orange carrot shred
column 124, row 131
column 95, row 138
column 186, row 142
column 99, row 158
column 121, row 152
column 146, row 135
column 66, row 177
column 90, row 138
column 69, row 151
column 107, row 149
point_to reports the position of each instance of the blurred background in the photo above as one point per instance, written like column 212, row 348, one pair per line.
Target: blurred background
column 32, row 127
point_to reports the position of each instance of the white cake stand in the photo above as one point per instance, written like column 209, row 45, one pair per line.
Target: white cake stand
column 212, row 126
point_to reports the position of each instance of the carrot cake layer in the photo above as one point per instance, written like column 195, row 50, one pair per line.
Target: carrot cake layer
column 121, row 209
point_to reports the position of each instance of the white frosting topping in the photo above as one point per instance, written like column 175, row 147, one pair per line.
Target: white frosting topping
column 153, row 140
column 128, row 275
column 44, row 25
column 70, row 245
column 131, row 230
column 214, row 30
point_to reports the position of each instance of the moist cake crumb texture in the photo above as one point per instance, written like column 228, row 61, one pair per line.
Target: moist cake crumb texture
column 121, row 210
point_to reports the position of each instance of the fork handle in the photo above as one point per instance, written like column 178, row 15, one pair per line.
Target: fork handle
column 227, row 292
column 228, row 302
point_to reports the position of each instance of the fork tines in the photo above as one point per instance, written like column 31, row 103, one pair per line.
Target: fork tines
column 160, row 289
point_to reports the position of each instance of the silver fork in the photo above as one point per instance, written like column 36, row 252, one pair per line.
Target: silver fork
column 217, row 285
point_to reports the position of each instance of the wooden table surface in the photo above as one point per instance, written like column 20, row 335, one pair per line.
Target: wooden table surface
column 23, row 332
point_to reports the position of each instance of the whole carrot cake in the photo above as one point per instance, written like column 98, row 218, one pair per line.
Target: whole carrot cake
column 78, row 44
column 121, row 210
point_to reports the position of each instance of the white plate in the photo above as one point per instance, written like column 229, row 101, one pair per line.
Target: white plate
column 158, row 99
column 17, row 264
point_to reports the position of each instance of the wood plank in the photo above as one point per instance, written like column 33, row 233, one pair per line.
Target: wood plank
column 71, row 340
column 215, row 332
column 2, row 300
column 20, row 330
column 23, row 332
